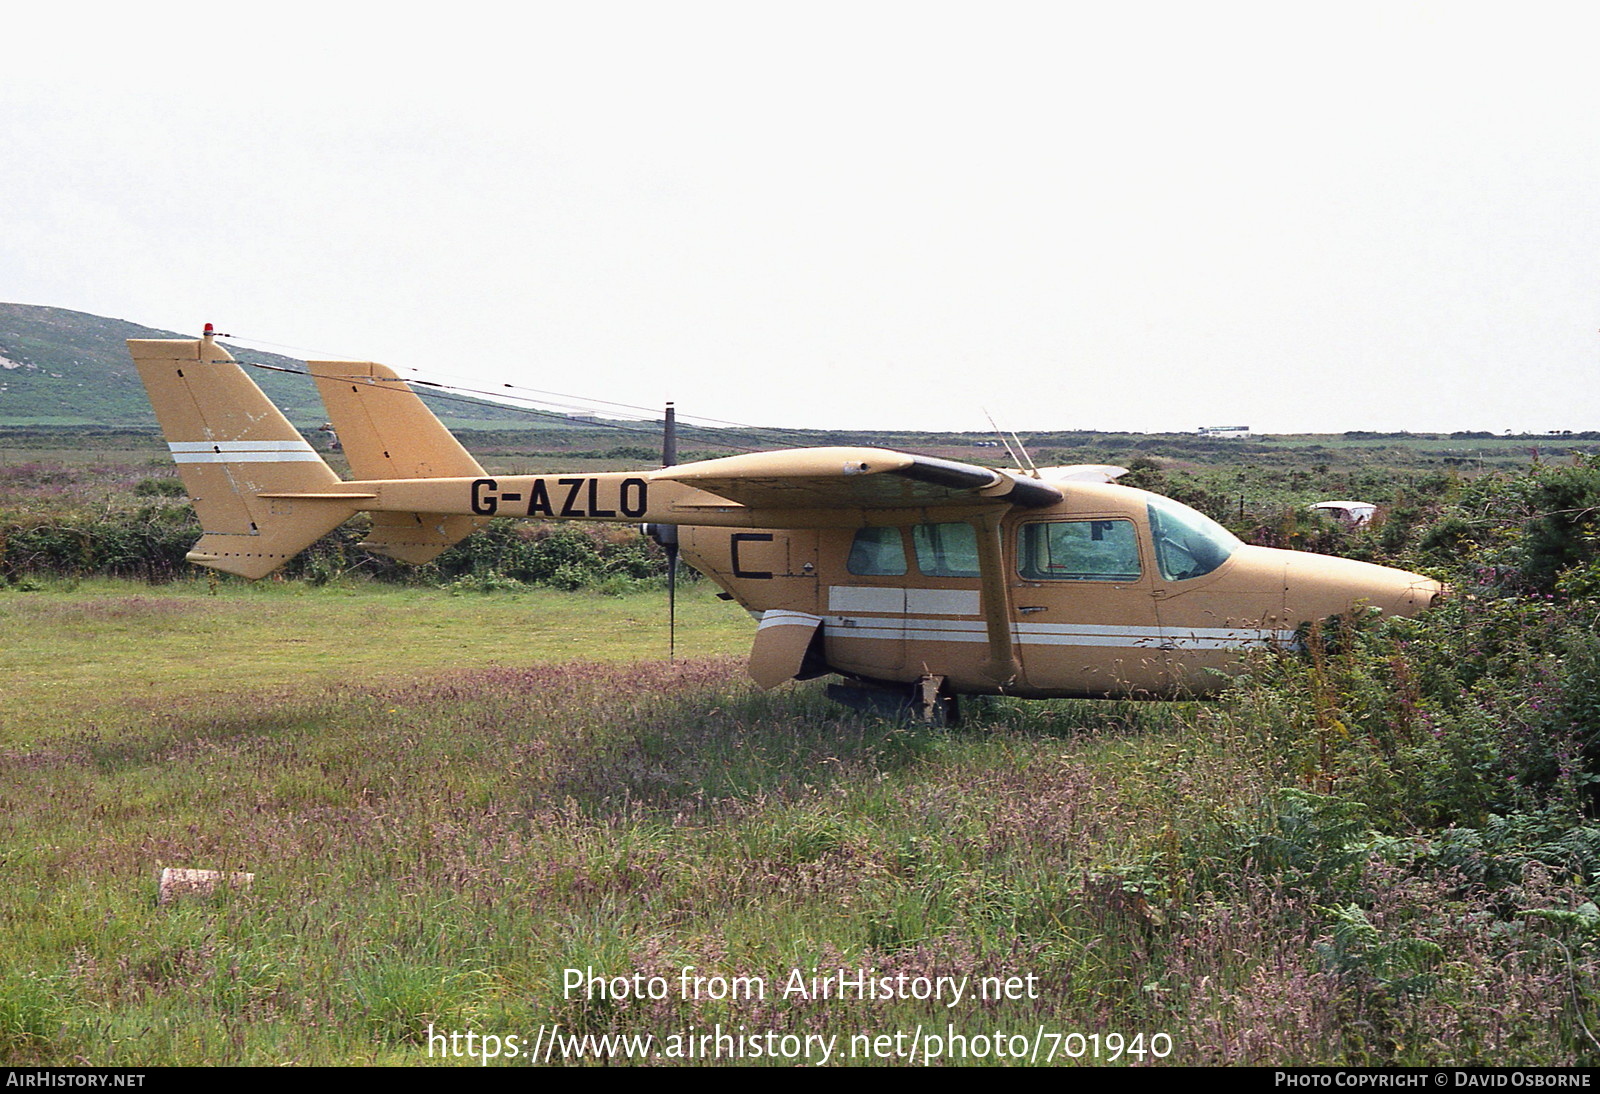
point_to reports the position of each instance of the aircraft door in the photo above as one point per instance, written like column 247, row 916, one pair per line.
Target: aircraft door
column 1084, row 607
column 908, row 602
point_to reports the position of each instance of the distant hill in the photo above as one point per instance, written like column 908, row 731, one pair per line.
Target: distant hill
column 68, row 372
column 69, row 368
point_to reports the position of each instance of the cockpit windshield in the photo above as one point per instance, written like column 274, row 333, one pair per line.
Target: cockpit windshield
column 1188, row 544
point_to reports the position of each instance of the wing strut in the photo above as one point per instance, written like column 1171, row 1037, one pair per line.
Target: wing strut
column 1002, row 665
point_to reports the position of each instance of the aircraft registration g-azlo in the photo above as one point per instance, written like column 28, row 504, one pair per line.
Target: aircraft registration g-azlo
column 914, row 579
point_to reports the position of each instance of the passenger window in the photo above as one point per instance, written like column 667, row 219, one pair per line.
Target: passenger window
column 946, row 550
column 877, row 552
column 1078, row 550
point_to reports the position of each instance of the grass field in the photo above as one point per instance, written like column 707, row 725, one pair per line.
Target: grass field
column 450, row 801
column 86, row 651
column 443, row 813
column 459, row 791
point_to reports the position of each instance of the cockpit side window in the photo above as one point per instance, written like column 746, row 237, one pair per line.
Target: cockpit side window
column 1188, row 544
column 1078, row 550
column 877, row 552
column 946, row 550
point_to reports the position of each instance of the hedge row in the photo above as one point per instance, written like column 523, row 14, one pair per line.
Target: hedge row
column 149, row 542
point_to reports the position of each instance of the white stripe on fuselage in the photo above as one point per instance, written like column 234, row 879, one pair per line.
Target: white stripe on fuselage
column 890, row 614
column 898, row 601
column 910, row 629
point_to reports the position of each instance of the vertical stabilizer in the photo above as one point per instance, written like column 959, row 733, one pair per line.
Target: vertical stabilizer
column 231, row 446
column 387, row 432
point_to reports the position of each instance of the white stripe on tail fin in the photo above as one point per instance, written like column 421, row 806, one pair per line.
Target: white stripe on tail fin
column 232, row 445
column 386, row 432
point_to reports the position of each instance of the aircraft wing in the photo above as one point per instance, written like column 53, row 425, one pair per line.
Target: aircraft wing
column 1083, row 472
column 849, row 478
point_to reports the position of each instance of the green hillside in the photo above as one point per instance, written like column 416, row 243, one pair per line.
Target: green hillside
column 66, row 380
column 69, row 368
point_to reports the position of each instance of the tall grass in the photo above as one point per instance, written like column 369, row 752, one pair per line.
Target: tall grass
column 440, row 851
column 1381, row 852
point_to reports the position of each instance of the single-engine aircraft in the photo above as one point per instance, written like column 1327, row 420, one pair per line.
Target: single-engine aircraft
column 915, row 579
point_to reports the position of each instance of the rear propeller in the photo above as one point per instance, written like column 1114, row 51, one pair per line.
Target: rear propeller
column 667, row 534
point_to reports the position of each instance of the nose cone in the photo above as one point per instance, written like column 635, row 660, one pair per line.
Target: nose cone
column 1316, row 586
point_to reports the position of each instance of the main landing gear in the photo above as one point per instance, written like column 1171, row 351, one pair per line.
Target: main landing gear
column 929, row 700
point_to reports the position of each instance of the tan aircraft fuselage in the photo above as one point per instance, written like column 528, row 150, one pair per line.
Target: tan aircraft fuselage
column 1134, row 634
column 1143, row 631
column 886, row 567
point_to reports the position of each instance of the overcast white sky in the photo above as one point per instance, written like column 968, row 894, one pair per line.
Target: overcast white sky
column 1149, row 216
